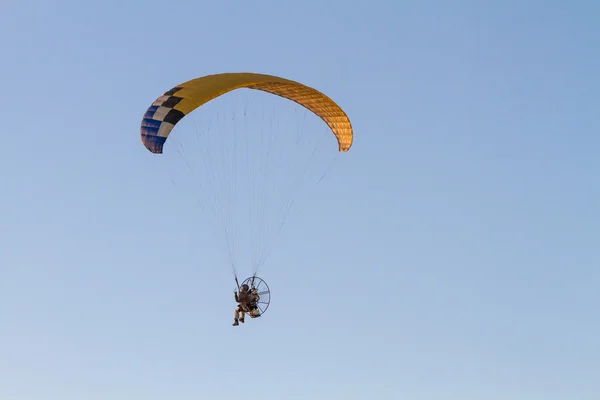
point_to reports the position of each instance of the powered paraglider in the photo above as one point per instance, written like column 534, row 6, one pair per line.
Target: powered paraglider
column 247, row 178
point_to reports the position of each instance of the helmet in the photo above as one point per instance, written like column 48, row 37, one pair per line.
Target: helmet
column 245, row 287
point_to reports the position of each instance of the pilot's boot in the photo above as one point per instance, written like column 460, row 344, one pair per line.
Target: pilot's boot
column 236, row 323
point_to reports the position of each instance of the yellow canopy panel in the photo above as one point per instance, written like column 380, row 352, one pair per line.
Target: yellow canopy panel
column 162, row 116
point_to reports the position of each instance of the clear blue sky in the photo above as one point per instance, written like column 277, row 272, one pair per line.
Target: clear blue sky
column 453, row 253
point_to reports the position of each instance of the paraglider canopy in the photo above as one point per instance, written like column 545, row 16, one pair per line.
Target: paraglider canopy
column 167, row 110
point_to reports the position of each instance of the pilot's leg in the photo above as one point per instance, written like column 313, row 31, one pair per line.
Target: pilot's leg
column 236, row 316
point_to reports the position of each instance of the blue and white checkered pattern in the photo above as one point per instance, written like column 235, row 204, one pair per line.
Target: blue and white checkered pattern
column 159, row 120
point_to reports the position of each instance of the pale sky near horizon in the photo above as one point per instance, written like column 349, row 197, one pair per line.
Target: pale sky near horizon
column 452, row 253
